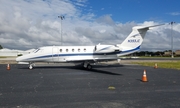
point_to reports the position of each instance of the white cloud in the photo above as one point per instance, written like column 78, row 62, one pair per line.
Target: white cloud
column 106, row 19
column 25, row 25
column 102, row 31
column 175, row 13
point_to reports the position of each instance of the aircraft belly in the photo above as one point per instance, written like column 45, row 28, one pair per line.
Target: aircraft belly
column 58, row 59
column 42, row 59
column 75, row 58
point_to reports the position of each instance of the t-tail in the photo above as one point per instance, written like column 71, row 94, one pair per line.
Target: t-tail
column 133, row 42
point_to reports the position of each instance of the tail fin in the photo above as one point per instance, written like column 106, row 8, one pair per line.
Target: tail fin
column 133, row 42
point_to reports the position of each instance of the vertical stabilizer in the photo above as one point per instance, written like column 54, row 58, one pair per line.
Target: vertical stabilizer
column 133, row 42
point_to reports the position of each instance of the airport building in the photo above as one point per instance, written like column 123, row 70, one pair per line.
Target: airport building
column 12, row 52
column 177, row 52
column 168, row 53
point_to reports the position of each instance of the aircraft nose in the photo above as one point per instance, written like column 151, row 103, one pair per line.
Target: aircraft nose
column 18, row 59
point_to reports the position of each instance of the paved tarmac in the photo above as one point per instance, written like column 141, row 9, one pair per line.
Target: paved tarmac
column 111, row 86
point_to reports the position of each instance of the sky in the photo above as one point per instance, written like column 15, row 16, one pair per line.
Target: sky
column 26, row 24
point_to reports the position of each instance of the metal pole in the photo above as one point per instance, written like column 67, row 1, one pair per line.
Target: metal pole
column 61, row 17
column 61, row 33
column 172, row 56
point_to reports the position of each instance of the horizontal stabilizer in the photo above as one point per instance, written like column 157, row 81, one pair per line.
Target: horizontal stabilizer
column 146, row 27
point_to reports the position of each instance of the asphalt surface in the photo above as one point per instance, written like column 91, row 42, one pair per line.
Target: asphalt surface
column 112, row 86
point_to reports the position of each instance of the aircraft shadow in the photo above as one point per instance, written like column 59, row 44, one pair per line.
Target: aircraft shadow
column 103, row 72
column 96, row 68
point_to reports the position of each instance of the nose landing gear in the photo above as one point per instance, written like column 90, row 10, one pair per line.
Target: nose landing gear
column 31, row 65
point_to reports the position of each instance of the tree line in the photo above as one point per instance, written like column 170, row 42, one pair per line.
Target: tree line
column 151, row 53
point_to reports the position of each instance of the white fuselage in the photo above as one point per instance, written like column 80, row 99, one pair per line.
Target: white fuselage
column 72, row 54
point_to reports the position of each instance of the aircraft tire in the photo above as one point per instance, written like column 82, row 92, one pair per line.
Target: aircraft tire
column 30, row 66
column 89, row 67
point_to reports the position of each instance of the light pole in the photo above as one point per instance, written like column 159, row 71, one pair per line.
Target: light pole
column 61, row 17
column 172, row 56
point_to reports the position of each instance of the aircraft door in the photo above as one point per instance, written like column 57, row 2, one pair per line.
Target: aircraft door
column 55, row 54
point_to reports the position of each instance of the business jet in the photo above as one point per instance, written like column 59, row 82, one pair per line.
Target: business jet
column 87, row 55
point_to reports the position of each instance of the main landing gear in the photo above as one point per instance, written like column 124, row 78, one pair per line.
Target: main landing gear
column 87, row 65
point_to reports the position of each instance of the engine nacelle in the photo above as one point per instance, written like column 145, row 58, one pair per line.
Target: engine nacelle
column 106, row 48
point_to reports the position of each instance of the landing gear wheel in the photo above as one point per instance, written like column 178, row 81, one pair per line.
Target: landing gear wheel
column 89, row 67
column 31, row 66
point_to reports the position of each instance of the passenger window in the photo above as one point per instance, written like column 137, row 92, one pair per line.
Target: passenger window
column 66, row 50
column 78, row 50
column 60, row 50
column 72, row 50
column 84, row 49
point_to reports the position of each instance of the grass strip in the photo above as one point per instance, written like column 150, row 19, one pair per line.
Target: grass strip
column 169, row 64
column 3, row 57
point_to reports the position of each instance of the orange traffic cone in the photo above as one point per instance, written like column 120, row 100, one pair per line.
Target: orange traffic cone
column 8, row 67
column 155, row 66
column 144, row 77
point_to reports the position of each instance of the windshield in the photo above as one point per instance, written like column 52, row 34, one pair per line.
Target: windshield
column 37, row 50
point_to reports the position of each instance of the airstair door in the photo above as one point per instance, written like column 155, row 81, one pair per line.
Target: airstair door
column 55, row 54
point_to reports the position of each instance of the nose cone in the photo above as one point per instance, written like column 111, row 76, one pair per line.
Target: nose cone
column 22, row 60
column 18, row 59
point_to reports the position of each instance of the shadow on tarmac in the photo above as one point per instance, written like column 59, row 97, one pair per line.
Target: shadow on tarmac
column 103, row 72
column 78, row 67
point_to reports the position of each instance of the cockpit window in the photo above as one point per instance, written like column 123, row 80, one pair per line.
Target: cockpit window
column 38, row 50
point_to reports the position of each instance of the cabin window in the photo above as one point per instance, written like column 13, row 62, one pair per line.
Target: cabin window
column 72, row 50
column 60, row 50
column 66, row 50
column 84, row 49
column 78, row 50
